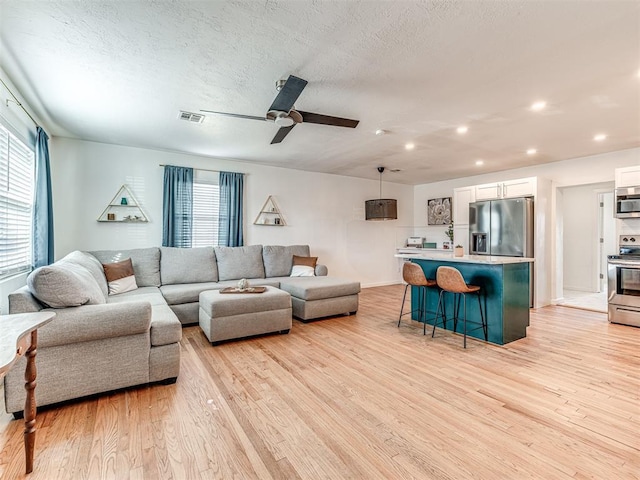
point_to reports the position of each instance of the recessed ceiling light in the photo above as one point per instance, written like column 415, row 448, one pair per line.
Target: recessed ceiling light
column 410, row 146
column 537, row 106
column 599, row 137
column 479, row 162
column 462, row 129
column 380, row 132
column 532, row 151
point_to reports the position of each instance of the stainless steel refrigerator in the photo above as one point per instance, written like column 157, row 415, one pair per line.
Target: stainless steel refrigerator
column 501, row 227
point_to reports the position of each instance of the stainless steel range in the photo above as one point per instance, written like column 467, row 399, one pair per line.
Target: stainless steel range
column 623, row 275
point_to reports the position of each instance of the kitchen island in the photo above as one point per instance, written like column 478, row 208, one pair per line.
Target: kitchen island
column 505, row 292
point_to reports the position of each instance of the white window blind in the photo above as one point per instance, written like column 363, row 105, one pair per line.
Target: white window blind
column 206, row 208
column 16, row 203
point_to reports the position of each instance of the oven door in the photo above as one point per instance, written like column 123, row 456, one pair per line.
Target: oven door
column 623, row 278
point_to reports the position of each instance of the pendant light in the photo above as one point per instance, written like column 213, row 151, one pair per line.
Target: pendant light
column 382, row 208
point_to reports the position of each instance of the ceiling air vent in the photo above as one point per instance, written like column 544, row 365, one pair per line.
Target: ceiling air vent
column 191, row 117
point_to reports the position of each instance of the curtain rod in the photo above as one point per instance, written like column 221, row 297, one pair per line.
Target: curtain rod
column 201, row 169
column 17, row 102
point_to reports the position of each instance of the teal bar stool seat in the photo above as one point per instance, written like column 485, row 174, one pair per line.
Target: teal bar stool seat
column 450, row 280
column 414, row 276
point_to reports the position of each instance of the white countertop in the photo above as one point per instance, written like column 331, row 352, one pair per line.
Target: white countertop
column 420, row 250
column 427, row 254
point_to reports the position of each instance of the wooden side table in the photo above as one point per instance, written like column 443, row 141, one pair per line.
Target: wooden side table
column 14, row 342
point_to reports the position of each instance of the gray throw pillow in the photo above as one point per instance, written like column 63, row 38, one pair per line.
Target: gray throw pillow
column 64, row 284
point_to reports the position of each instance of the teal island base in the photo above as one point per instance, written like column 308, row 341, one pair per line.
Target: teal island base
column 504, row 296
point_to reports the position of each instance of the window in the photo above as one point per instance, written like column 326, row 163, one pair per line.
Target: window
column 16, row 202
column 206, row 208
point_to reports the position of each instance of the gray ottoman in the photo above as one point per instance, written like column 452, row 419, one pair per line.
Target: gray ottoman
column 224, row 316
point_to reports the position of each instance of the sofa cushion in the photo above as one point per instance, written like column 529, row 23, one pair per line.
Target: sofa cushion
column 318, row 288
column 165, row 326
column 187, row 265
column 239, row 262
column 92, row 264
column 186, row 292
column 88, row 323
column 151, row 295
column 146, row 263
column 279, row 259
column 120, row 277
column 64, row 284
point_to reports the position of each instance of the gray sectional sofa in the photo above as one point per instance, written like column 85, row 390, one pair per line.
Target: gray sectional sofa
column 99, row 342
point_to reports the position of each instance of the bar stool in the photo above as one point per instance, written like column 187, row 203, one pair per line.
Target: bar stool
column 414, row 276
column 450, row 279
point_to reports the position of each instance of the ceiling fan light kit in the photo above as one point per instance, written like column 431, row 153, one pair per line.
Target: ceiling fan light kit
column 283, row 113
column 381, row 208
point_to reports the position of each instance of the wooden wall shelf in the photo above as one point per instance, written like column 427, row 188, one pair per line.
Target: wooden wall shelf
column 270, row 214
column 123, row 208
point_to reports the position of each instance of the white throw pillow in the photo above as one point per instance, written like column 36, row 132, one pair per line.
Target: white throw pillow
column 122, row 285
column 302, row 271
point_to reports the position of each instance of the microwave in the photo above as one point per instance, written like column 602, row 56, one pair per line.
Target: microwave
column 627, row 202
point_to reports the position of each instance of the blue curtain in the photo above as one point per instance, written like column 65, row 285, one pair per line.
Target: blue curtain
column 177, row 206
column 43, row 204
column 231, row 200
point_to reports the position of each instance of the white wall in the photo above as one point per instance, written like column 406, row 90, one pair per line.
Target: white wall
column 581, row 212
column 324, row 211
column 577, row 171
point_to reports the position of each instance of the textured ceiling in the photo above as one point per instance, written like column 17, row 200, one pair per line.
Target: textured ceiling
column 119, row 72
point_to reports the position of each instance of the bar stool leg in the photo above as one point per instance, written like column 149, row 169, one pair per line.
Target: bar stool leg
column 485, row 327
column 464, row 341
column 402, row 306
column 424, row 322
column 441, row 312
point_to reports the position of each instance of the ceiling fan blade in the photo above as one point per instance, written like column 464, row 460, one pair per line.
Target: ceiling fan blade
column 280, row 134
column 308, row 117
column 288, row 94
column 236, row 115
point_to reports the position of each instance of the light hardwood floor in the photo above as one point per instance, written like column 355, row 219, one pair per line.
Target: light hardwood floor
column 357, row 397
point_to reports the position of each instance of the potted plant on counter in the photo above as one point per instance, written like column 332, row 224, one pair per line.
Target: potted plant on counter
column 449, row 233
column 458, row 251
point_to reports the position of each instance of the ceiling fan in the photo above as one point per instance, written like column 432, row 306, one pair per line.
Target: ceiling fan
column 283, row 113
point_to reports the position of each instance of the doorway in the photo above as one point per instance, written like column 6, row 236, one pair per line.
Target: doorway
column 588, row 236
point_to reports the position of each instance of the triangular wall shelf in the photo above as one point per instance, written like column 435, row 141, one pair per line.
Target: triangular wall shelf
column 123, row 207
column 270, row 214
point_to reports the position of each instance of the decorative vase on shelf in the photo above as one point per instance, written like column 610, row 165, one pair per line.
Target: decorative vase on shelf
column 458, row 251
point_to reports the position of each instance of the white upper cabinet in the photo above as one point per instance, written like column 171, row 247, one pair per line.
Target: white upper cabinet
column 462, row 197
column 488, row 191
column 522, row 187
column 628, row 177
